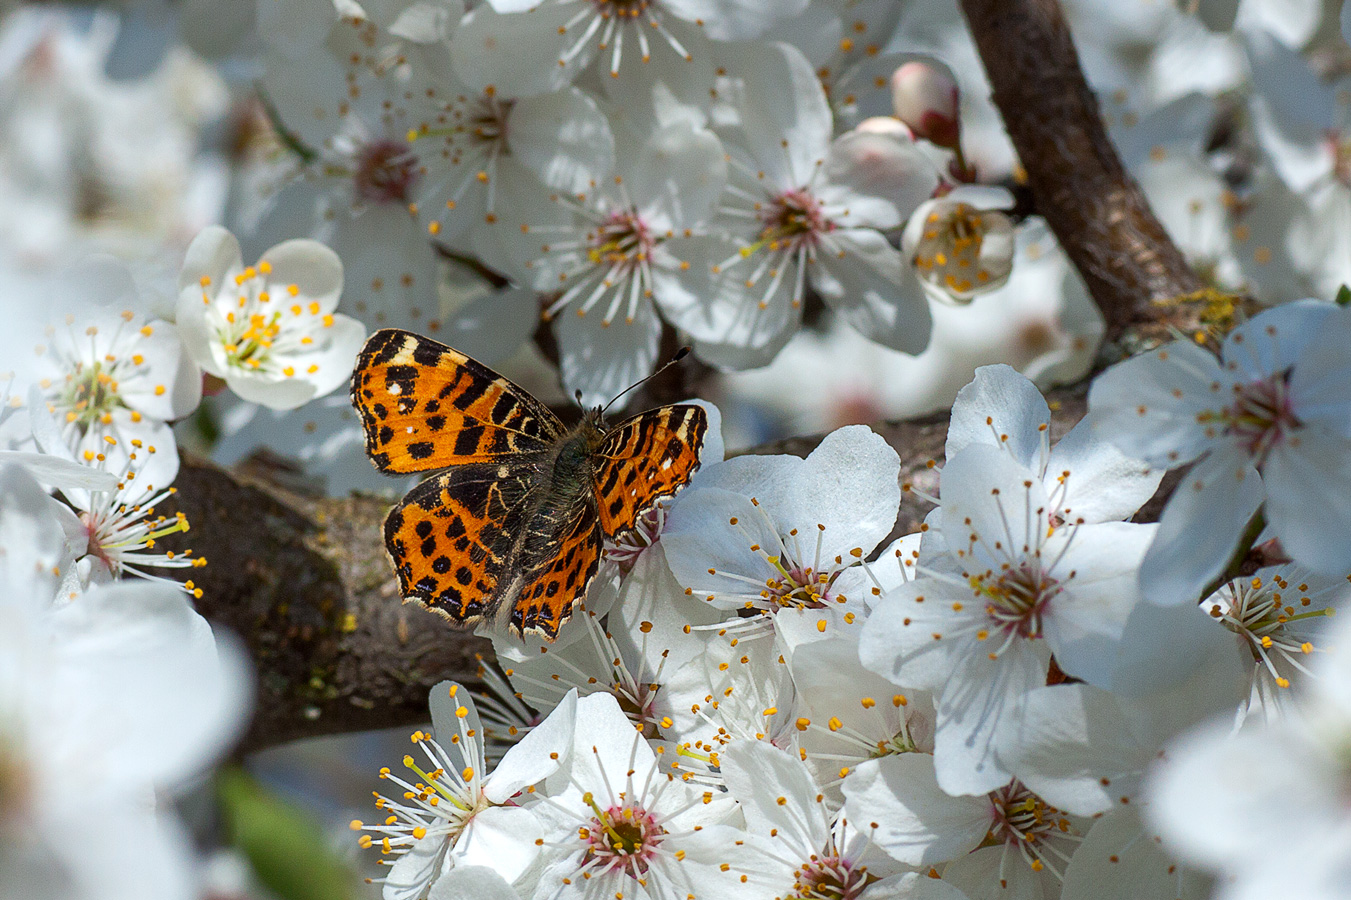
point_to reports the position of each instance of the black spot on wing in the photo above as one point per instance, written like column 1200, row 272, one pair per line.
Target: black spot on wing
column 466, row 442
column 475, row 389
column 427, row 353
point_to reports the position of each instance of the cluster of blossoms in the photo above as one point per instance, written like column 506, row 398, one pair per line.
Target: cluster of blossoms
column 114, row 692
column 768, row 700
column 625, row 165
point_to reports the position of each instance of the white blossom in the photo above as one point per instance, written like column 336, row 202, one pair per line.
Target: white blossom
column 784, row 537
column 268, row 330
column 109, row 374
column 1001, row 587
column 960, row 243
column 455, row 812
column 1266, row 423
column 103, row 700
column 800, row 208
column 1263, row 807
column 618, row 825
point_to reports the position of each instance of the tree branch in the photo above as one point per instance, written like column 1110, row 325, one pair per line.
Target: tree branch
column 1100, row 216
column 305, row 582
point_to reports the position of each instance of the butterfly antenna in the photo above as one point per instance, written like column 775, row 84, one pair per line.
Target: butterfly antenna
column 679, row 355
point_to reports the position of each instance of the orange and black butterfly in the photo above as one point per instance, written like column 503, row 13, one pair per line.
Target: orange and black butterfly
column 512, row 531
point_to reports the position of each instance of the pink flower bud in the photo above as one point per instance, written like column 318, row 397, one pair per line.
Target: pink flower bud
column 924, row 96
column 885, row 125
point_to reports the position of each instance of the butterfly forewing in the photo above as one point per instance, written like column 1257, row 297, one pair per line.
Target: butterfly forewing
column 424, row 406
column 644, row 459
column 453, row 538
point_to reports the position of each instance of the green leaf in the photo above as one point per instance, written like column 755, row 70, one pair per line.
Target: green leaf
column 284, row 844
column 1343, row 296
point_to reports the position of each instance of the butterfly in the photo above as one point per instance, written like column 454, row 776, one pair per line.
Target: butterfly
column 512, row 531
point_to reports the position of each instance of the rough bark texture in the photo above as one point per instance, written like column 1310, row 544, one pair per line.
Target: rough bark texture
column 1132, row 269
column 305, row 580
column 306, row 583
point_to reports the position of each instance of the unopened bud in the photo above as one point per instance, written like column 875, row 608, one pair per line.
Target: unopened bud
column 924, row 96
column 885, row 125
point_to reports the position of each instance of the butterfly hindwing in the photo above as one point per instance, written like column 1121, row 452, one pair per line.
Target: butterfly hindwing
column 644, row 458
column 551, row 588
column 424, row 406
column 454, row 539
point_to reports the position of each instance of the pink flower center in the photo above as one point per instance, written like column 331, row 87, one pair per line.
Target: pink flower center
column 623, row 241
column 1261, row 415
column 793, row 220
column 800, row 587
column 1022, row 819
column 386, row 172
column 830, row 878
column 622, row 837
column 1016, row 599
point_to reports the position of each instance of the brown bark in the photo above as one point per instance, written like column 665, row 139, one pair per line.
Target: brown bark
column 1133, row 270
column 305, row 583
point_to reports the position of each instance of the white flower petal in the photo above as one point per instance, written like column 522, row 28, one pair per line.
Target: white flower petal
column 1001, row 407
column 985, row 492
column 677, row 176
column 537, row 755
column 864, row 279
column 786, row 120
column 982, row 698
column 1220, row 802
column 1104, row 484
column 875, row 180
column 602, row 360
column 478, row 882
column 312, row 267
column 1200, row 527
column 731, row 323
column 563, row 138
column 1148, row 405
column 1308, row 502
column 1120, row 860
column 503, row 837
column 998, row 873
column 1275, row 340
column 1318, row 382
column 1083, row 625
column 413, row 871
column 918, row 823
column 59, row 473
column 912, row 886
column 142, row 640
column 516, row 56
column 777, row 795
column 735, row 20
